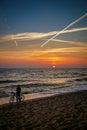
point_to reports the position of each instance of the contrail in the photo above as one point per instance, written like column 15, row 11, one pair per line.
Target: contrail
column 12, row 37
column 16, row 42
column 75, row 30
column 58, row 33
column 70, row 42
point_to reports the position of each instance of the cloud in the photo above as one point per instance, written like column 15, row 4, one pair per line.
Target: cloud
column 70, row 42
column 35, row 35
column 26, row 36
column 70, row 49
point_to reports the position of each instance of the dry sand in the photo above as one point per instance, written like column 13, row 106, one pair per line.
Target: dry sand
column 59, row 112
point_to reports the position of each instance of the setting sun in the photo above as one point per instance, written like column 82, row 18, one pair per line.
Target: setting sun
column 53, row 66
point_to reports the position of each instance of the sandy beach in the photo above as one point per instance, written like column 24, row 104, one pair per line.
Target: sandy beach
column 58, row 112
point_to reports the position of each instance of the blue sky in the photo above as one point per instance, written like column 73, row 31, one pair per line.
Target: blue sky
column 39, row 15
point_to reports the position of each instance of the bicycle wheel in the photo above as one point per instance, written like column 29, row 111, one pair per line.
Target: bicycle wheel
column 22, row 97
column 12, row 99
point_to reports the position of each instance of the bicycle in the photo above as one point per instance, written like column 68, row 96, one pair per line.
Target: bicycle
column 13, row 98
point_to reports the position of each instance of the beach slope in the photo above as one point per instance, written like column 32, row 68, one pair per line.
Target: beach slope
column 58, row 112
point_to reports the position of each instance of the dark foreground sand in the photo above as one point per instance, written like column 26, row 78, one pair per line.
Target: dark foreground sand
column 59, row 112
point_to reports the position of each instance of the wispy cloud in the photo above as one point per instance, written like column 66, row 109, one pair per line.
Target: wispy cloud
column 71, row 49
column 70, row 42
column 35, row 35
column 26, row 36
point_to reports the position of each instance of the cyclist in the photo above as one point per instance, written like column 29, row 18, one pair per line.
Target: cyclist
column 18, row 93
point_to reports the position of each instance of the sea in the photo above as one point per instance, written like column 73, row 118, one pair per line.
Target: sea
column 42, row 80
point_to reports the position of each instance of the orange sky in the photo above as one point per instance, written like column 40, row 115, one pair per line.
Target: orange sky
column 48, row 56
column 24, row 50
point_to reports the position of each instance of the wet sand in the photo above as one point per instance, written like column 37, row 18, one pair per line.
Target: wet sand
column 58, row 112
column 5, row 100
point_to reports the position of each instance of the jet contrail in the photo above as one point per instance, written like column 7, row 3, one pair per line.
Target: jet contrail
column 70, row 42
column 12, row 37
column 75, row 30
column 58, row 33
column 15, row 42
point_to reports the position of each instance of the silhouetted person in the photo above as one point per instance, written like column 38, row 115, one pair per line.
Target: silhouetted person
column 18, row 93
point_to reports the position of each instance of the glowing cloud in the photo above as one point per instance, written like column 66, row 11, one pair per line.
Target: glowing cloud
column 26, row 36
column 71, row 42
column 35, row 35
column 71, row 49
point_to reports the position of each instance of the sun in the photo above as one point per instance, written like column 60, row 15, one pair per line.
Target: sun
column 53, row 66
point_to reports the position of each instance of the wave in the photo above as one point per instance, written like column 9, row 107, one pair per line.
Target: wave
column 15, row 81
column 8, row 81
column 81, row 79
column 3, row 94
column 36, row 85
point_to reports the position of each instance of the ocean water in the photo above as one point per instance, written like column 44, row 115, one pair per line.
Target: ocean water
column 42, row 80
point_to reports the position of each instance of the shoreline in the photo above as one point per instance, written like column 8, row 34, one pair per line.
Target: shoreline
column 27, row 97
column 5, row 100
column 63, row 111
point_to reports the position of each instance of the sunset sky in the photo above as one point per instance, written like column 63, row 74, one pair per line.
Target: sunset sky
column 27, row 25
